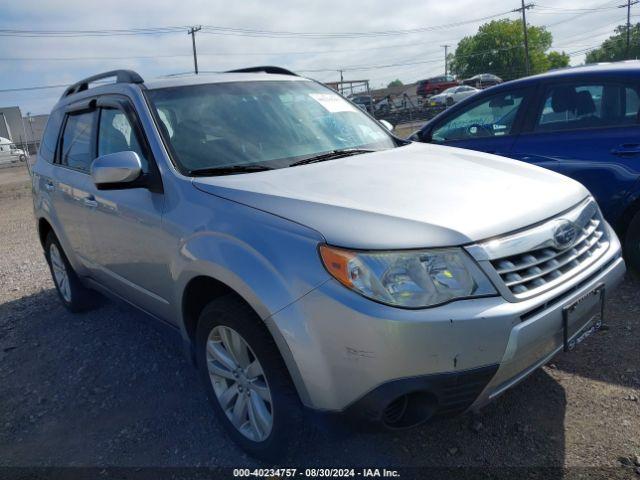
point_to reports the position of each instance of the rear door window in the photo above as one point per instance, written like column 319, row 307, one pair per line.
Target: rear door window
column 576, row 106
column 75, row 148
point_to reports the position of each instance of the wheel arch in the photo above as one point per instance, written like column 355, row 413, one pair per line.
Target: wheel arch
column 201, row 290
column 198, row 293
column 44, row 228
column 631, row 210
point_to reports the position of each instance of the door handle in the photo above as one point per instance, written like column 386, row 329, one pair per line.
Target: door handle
column 90, row 201
column 49, row 186
column 626, row 149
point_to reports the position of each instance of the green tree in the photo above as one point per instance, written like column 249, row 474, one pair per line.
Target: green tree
column 615, row 47
column 557, row 60
column 498, row 48
column 395, row 83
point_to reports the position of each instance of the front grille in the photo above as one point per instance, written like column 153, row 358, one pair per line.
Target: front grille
column 529, row 272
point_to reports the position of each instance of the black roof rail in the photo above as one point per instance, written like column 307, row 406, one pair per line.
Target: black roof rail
column 264, row 69
column 122, row 76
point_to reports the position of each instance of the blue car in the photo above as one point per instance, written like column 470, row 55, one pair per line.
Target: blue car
column 583, row 122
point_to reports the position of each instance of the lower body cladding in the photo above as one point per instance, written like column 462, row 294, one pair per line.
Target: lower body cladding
column 349, row 355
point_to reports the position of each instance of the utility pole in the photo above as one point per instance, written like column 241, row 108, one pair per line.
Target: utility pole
column 628, row 7
column 446, row 59
column 523, row 9
column 192, row 32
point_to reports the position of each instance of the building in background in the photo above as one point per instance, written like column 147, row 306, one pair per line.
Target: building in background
column 25, row 132
column 11, row 126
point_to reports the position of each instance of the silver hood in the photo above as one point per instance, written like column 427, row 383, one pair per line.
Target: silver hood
column 415, row 196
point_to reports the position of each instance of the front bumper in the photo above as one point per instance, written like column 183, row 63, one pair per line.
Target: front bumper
column 343, row 350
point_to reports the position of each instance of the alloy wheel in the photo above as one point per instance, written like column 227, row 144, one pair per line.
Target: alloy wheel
column 60, row 274
column 239, row 383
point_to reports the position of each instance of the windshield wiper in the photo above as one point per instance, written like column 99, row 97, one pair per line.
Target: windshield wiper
column 339, row 153
column 228, row 170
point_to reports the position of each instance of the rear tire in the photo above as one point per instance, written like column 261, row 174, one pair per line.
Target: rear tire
column 74, row 296
column 232, row 344
column 632, row 244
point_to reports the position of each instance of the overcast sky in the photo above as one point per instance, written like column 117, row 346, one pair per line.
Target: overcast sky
column 29, row 61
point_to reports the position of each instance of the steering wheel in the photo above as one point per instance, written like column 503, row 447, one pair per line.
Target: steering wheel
column 475, row 128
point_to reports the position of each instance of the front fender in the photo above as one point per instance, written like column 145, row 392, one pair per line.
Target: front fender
column 270, row 262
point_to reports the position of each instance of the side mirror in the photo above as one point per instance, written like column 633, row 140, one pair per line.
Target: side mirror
column 116, row 170
column 423, row 135
column 387, row 125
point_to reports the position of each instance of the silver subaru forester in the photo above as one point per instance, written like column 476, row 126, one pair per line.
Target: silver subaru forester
column 311, row 260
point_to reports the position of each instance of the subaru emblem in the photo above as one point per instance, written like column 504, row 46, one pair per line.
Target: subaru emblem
column 565, row 234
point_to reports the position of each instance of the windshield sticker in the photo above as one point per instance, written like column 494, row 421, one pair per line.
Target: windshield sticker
column 332, row 103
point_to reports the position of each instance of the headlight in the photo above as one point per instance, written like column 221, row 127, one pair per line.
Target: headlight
column 409, row 278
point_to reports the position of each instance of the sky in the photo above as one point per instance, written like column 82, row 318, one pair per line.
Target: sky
column 378, row 40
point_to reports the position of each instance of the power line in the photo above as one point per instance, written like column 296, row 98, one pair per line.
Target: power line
column 219, row 30
column 5, row 32
column 247, row 32
column 404, row 63
column 353, row 68
column 214, row 30
column 603, row 5
column 39, row 87
column 218, row 54
column 558, row 10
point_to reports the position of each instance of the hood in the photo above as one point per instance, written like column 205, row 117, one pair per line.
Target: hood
column 415, row 196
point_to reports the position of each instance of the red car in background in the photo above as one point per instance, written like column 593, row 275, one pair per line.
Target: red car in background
column 435, row 85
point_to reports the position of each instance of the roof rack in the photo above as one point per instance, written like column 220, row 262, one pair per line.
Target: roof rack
column 122, row 76
column 264, row 69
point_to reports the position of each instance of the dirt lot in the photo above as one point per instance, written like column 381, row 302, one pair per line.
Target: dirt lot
column 112, row 388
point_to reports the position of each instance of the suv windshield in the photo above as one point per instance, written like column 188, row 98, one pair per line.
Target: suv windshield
column 273, row 124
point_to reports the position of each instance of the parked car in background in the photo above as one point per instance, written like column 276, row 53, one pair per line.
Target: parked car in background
column 310, row 258
column 482, row 80
column 435, row 85
column 9, row 153
column 452, row 95
column 582, row 122
column 365, row 102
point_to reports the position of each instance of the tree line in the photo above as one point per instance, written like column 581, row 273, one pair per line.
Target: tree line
column 498, row 48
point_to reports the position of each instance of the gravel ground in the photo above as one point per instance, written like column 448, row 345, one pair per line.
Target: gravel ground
column 112, row 388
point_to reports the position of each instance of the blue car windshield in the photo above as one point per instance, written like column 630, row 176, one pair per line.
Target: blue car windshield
column 267, row 124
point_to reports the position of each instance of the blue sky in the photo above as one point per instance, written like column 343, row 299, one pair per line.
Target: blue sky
column 26, row 62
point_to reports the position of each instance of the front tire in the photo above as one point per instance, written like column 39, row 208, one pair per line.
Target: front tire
column 632, row 244
column 74, row 296
column 246, row 379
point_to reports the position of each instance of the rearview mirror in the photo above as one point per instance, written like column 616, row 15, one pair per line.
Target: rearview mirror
column 387, row 125
column 116, row 170
column 500, row 102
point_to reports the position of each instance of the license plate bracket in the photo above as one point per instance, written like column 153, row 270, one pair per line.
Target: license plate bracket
column 586, row 307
